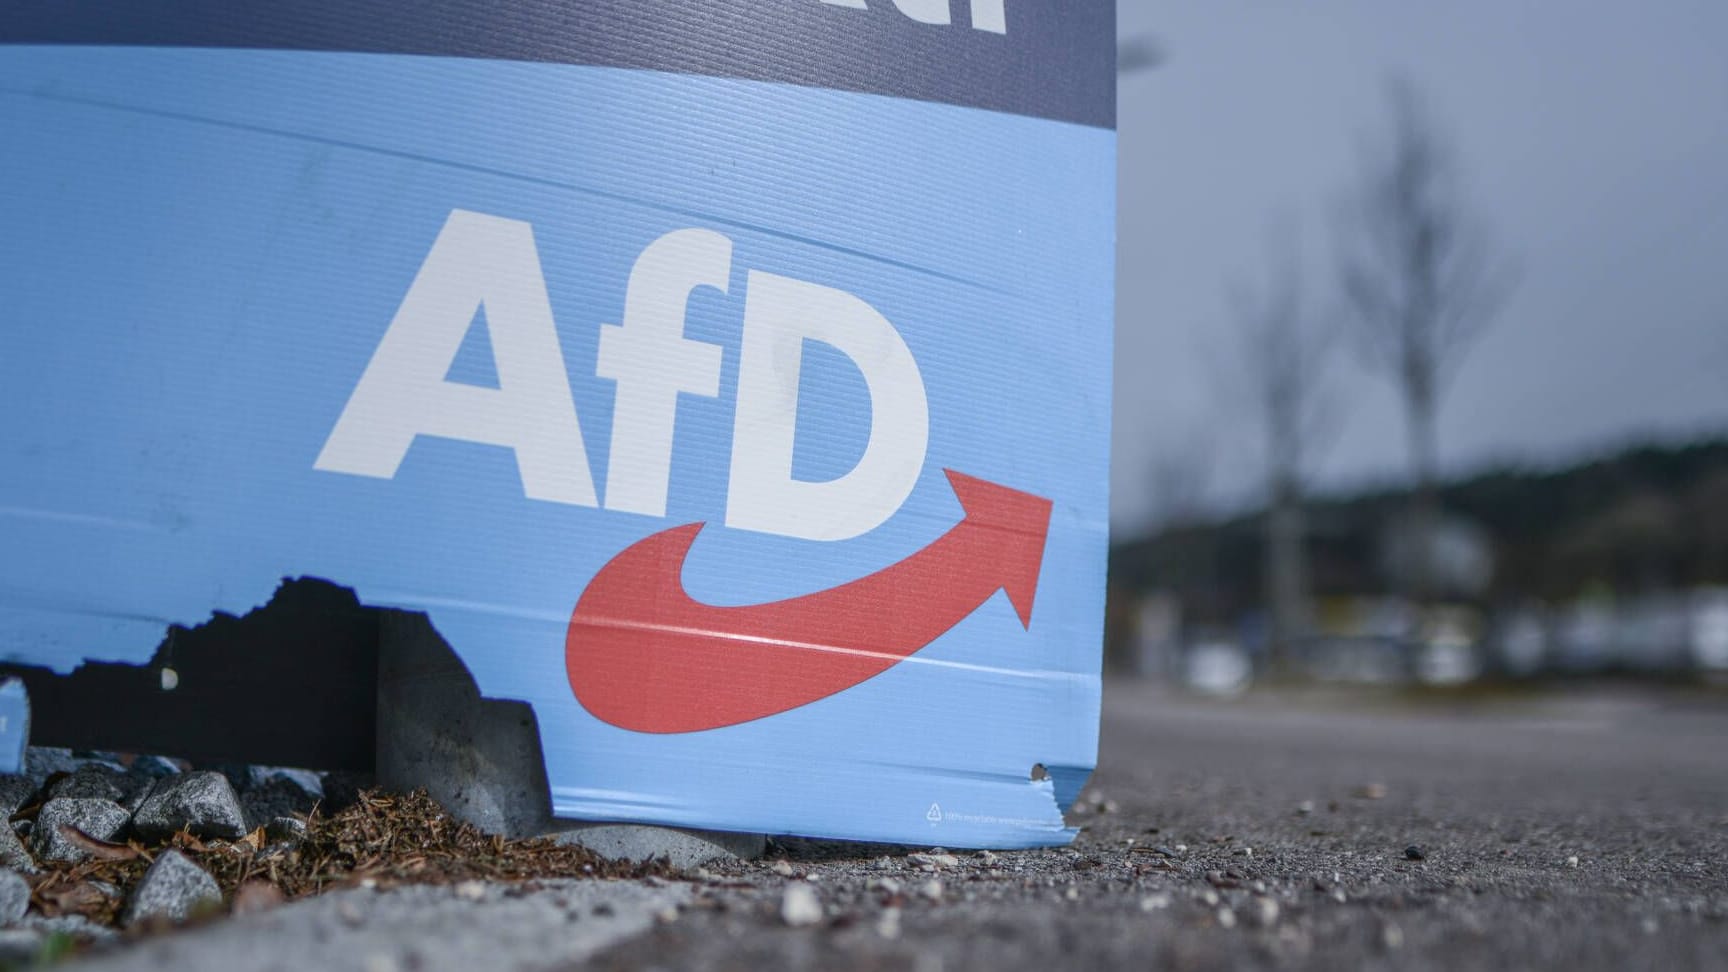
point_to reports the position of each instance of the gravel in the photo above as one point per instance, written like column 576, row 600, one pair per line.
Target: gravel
column 101, row 819
column 173, row 889
column 14, row 897
column 13, row 854
column 203, row 803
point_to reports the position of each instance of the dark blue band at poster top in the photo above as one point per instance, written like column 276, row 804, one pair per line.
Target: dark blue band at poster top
column 1045, row 58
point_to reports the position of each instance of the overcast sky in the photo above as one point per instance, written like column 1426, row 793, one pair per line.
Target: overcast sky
column 1593, row 140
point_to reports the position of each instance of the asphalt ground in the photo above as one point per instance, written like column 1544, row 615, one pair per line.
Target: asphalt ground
column 1583, row 829
column 1580, row 829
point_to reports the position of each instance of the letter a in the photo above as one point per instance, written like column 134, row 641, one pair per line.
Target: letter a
column 477, row 260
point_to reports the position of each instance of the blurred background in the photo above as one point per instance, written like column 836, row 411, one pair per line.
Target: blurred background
column 1422, row 343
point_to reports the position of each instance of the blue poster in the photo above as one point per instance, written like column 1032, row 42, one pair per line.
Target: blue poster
column 749, row 422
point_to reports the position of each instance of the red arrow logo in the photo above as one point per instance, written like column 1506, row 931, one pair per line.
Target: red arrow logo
column 643, row 655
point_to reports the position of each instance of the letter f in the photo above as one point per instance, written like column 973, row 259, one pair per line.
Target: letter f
column 652, row 362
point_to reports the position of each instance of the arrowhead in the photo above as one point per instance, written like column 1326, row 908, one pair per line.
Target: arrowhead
column 1017, row 524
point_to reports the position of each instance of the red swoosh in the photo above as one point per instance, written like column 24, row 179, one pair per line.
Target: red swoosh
column 643, row 655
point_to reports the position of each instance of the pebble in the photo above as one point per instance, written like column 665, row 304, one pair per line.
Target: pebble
column 782, row 868
column 15, row 792
column 14, row 897
column 1372, row 791
column 92, row 781
column 888, row 926
column 800, row 906
column 1265, row 912
column 930, row 890
column 1243, row 852
column 1392, row 937
column 101, row 819
column 173, row 888
column 886, row 885
column 1210, row 897
column 202, row 802
column 285, row 830
column 1305, row 808
column 1572, row 861
column 471, row 890
column 1415, row 853
column 989, row 858
column 13, row 854
column 1226, row 918
column 933, row 862
column 1155, row 902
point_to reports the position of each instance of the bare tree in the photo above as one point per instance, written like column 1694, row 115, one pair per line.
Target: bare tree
column 1422, row 284
column 1178, row 478
column 1282, row 355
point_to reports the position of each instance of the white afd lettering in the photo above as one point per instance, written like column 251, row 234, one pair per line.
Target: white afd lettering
column 481, row 261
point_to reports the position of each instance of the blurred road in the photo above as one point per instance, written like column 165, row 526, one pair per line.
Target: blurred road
column 1586, row 830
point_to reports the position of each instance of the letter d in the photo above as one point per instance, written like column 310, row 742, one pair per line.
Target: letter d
column 779, row 315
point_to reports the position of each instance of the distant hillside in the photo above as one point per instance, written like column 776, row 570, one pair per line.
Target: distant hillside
column 1649, row 517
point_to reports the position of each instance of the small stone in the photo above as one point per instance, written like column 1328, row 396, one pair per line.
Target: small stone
column 886, row 885
column 285, row 830
column 888, row 926
column 1243, row 852
column 154, row 767
column 1155, row 902
column 799, row 906
column 1072, row 894
column 1392, row 937
column 1210, row 898
column 41, row 762
column 1371, row 791
column 1339, row 896
column 101, row 819
column 278, row 796
column 782, row 868
column 1226, row 918
column 471, row 890
column 14, row 897
column 666, row 916
column 1650, row 926
column 1572, row 861
column 93, row 781
column 15, row 791
column 1305, row 808
column 13, row 854
column 174, row 889
column 203, row 803
column 1415, row 853
column 1265, row 911
column 933, row 862
column 986, row 857
column 930, row 890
